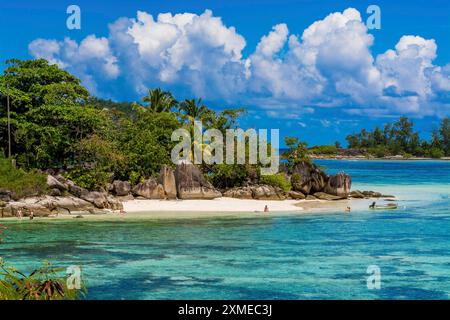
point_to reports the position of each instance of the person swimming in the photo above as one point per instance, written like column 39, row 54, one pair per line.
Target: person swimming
column 348, row 209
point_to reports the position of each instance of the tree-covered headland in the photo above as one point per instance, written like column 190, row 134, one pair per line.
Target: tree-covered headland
column 56, row 124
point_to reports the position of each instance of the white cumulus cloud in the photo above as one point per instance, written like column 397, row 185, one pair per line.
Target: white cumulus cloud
column 329, row 65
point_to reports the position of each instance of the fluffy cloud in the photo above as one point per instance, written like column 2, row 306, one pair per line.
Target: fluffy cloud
column 88, row 60
column 329, row 65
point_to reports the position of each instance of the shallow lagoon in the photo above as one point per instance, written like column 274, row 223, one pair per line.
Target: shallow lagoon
column 321, row 256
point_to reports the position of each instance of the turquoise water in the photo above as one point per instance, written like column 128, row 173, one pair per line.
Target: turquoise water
column 315, row 256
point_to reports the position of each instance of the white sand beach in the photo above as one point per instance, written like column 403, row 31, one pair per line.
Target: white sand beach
column 216, row 205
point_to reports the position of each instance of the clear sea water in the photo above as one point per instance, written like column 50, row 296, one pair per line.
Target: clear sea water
column 314, row 256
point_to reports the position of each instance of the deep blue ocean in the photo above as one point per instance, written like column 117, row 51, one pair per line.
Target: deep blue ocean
column 312, row 256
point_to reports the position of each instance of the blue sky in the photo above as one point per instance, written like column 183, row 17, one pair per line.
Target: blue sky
column 319, row 84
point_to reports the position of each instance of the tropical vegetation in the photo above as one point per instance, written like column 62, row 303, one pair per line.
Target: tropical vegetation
column 400, row 138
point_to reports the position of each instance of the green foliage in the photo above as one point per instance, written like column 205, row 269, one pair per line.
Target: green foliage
column 407, row 155
column 379, row 151
column 400, row 138
column 276, row 180
column 435, row 153
column 146, row 142
column 41, row 284
column 297, row 152
column 224, row 176
column 20, row 182
column 48, row 113
column 159, row 101
column 192, row 110
column 325, row 150
column 296, row 178
column 96, row 162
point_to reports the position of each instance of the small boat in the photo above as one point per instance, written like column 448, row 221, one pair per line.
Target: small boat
column 384, row 206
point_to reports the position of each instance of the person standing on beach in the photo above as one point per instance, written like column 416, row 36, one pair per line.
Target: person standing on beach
column 266, row 209
column 19, row 214
column 31, row 215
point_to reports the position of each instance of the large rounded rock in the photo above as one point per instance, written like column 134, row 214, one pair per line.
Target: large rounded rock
column 54, row 183
column 77, row 191
column 67, row 204
column 259, row 192
column 121, row 188
column 266, row 192
column 339, row 185
column 191, row 184
column 98, row 199
column 38, row 209
column 307, row 178
column 357, row 194
column 326, row 196
column 149, row 189
column 5, row 195
column 167, row 180
column 296, row 195
column 239, row 193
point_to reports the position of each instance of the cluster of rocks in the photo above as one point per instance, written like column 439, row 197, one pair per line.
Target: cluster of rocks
column 357, row 194
column 185, row 182
column 308, row 182
column 259, row 192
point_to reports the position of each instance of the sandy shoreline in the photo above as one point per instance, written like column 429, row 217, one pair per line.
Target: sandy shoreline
column 217, row 205
column 221, row 207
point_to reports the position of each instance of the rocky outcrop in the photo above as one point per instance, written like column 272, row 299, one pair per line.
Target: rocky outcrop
column 239, row 193
column 326, row 196
column 68, row 204
column 307, row 178
column 191, row 184
column 310, row 197
column 372, row 194
column 265, row 192
column 149, row 189
column 338, row 185
column 357, row 194
column 296, row 195
column 121, row 188
column 259, row 192
column 54, row 183
column 13, row 207
column 99, row 199
column 5, row 195
column 167, row 180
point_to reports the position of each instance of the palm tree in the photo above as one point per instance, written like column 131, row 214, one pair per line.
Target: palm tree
column 159, row 101
column 193, row 110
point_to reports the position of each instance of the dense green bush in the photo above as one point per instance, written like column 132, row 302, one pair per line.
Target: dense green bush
column 20, row 182
column 328, row 150
column 378, row 151
column 276, row 180
column 435, row 153
column 296, row 178
column 44, row 283
column 228, row 175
